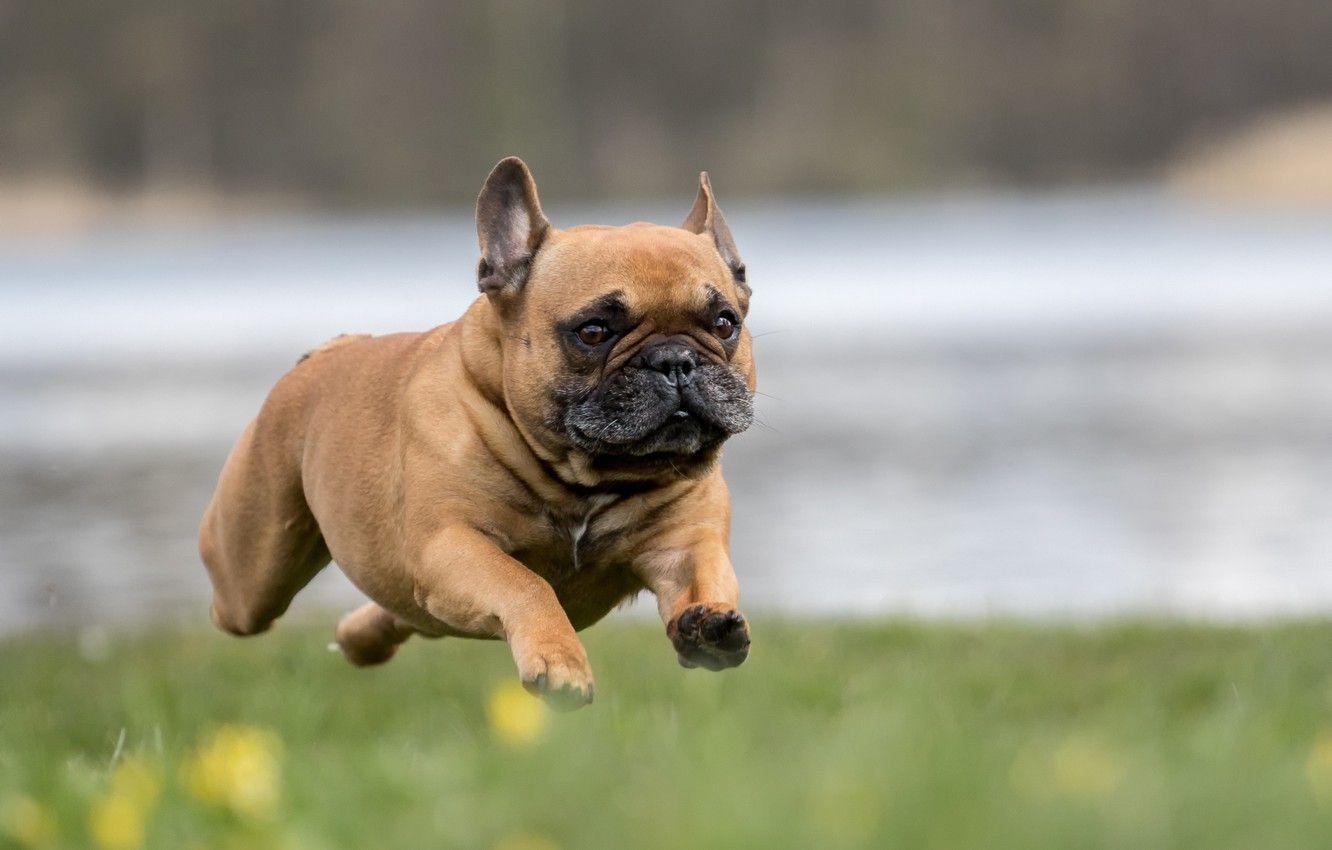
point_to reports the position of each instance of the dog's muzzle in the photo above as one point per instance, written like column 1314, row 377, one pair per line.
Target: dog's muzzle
column 667, row 399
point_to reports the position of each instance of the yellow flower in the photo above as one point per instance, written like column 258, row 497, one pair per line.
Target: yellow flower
column 118, row 822
column 237, row 767
column 118, row 819
column 27, row 821
column 525, row 841
column 516, row 717
column 1079, row 767
column 138, row 780
column 1318, row 768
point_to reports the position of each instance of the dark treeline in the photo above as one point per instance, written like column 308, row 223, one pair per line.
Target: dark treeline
column 409, row 101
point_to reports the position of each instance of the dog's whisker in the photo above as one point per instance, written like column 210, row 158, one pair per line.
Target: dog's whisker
column 602, row 433
column 763, row 424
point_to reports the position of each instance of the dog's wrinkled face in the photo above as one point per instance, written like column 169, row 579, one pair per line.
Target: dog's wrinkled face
column 652, row 356
column 628, row 344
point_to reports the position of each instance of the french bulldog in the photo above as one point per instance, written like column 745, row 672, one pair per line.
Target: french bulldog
column 519, row 472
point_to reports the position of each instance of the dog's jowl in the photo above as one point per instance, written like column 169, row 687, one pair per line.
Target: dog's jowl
column 518, row 472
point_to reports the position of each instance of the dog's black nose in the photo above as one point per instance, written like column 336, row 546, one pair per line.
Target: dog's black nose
column 675, row 360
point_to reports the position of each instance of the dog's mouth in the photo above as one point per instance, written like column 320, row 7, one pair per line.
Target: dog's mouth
column 636, row 415
column 678, row 432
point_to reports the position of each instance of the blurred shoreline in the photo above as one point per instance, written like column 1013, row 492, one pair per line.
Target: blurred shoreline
column 1274, row 162
column 37, row 207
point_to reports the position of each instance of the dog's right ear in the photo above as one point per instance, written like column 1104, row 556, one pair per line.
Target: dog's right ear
column 510, row 227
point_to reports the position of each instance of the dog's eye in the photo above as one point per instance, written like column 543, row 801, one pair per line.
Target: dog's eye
column 724, row 326
column 593, row 334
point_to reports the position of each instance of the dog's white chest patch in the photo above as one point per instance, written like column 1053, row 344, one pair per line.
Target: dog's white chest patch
column 578, row 531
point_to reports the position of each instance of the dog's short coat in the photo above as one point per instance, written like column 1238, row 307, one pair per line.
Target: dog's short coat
column 516, row 473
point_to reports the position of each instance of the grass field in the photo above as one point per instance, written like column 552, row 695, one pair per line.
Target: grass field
column 908, row 735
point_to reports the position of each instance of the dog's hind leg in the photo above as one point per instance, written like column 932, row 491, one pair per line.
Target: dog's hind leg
column 371, row 635
column 258, row 539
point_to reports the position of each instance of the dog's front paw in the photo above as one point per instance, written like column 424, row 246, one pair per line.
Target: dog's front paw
column 710, row 636
column 557, row 671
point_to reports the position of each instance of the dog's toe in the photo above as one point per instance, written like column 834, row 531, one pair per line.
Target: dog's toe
column 560, row 675
column 726, row 632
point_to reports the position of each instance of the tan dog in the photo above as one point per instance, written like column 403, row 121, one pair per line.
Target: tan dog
column 519, row 472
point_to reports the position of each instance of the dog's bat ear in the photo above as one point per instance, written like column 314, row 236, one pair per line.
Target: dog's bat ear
column 509, row 225
column 706, row 218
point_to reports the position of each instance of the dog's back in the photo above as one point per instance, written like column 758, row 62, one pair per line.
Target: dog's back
column 260, row 538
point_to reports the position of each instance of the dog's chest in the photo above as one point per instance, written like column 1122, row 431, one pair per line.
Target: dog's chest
column 582, row 555
column 576, row 540
column 576, row 529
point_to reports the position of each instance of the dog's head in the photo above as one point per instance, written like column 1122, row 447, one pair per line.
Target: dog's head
column 626, row 345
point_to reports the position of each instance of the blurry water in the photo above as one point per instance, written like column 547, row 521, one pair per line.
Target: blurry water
column 1055, row 405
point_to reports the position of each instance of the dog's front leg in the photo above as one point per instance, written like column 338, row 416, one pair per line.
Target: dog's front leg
column 464, row 580
column 697, row 594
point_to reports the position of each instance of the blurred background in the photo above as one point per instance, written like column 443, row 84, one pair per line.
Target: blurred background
column 1043, row 289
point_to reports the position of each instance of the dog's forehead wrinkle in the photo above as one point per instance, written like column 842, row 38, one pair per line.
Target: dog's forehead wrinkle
column 635, row 243
column 610, row 302
column 716, row 298
column 663, row 273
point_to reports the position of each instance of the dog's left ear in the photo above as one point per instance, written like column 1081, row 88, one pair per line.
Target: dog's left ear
column 706, row 217
column 510, row 227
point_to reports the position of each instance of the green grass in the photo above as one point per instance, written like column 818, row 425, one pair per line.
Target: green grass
column 910, row 735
